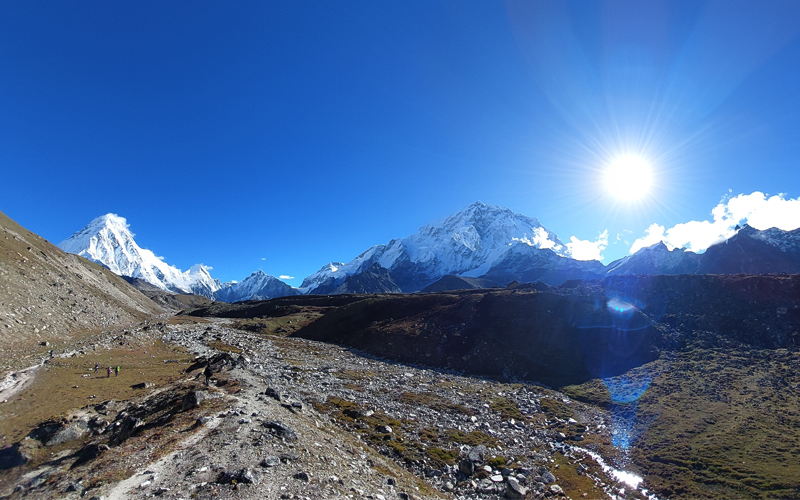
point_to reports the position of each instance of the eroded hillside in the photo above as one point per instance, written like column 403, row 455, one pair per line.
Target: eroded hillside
column 49, row 295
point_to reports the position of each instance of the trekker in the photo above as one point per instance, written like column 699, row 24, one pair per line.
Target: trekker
column 96, row 366
column 116, row 372
column 108, row 372
column 208, row 372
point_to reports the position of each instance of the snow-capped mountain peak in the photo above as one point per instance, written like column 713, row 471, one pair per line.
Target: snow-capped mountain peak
column 109, row 241
column 257, row 286
column 465, row 243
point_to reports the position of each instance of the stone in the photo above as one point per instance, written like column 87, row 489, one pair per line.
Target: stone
column 556, row 489
column 271, row 461
column 384, row 429
column 302, row 476
column 272, row 393
column 485, row 486
column 467, row 467
column 548, row 477
column 497, row 478
column 69, row 433
column 514, row 489
column 247, row 476
column 477, row 454
column 281, row 430
column 193, row 399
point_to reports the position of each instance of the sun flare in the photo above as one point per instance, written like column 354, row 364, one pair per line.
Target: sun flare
column 628, row 177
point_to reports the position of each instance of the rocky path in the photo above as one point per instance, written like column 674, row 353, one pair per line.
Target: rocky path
column 429, row 422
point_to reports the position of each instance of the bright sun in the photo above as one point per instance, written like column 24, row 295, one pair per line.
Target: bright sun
column 628, row 177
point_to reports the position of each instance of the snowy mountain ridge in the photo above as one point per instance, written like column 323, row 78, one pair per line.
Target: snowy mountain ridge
column 257, row 286
column 109, row 241
column 466, row 243
column 481, row 240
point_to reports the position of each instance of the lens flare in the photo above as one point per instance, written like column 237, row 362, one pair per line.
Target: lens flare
column 628, row 177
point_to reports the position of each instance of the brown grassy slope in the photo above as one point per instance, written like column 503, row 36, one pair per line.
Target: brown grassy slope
column 47, row 294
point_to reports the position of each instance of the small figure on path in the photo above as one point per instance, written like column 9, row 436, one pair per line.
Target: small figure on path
column 96, row 366
column 208, row 372
column 51, row 354
column 108, row 372
column 116, row 371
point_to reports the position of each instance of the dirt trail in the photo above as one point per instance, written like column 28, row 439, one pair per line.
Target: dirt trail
column 16, row 381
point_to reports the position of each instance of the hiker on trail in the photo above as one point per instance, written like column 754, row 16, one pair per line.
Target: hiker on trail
column 116, row 372
column 108, row 372
column 51, row 354
column 96, row 366
column 208, row 372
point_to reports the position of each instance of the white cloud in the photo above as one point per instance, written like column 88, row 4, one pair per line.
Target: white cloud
column 540, row 240
column 754, row 209
column 285, row 277
column 588, row 250
column 655, row 233
column 263, row 258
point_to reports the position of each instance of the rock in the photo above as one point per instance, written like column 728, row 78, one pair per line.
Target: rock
column 245, row 476
column 272, row 393
column 204, row 420
column 106, row 406
column 143, row 385
column 485, row 486
column 193, row 399
column 271, row 461
column 281, row 430
column 289, row 457
column 69, row 433
column 384, row 429
column 351, row 413
column 76, row 487
column 477, row 454
column 467, row 467
column 548, row 477
column 302, row 476
column 127, row 428
column 448, row 486
column 497, row 478
column 556, row 489
column 514, row 489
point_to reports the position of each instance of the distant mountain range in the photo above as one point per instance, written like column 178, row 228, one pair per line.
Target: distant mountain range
column 108, row 241
column 481, row 241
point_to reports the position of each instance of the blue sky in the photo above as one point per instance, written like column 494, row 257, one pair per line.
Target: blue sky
column 284, row 135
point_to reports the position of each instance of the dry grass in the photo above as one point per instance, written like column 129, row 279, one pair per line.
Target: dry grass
column 53, row 392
